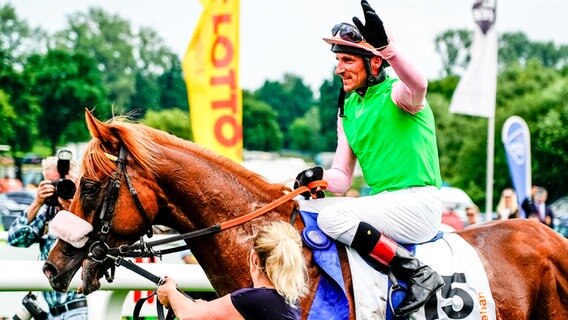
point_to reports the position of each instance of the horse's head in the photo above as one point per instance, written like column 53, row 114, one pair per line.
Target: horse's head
column 117, row 208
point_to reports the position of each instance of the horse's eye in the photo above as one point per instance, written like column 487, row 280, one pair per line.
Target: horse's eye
column 90, row 188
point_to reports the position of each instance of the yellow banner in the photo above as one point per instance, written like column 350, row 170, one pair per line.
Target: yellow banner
column 211, row 72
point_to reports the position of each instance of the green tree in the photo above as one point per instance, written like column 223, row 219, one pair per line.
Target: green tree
column 291, row 98
column 453, row 47
column 304, row 130
column 172, row 85
column 516, row 47
column 17, row 89
column 159, row 81
column 327, row 104
column 109, row 40
column 146, row 96
column 8, row 117
column 530, row 84
column 260, row 126
column 17, row 40
column 174, row 121
column 64, row 83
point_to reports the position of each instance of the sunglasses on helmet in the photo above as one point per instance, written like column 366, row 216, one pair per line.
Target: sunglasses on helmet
column 347, row 32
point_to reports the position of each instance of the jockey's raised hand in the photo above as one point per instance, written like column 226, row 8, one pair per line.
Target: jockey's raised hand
column 373, row 30
column 306, row 177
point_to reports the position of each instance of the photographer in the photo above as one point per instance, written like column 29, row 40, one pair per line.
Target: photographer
column 53, row 194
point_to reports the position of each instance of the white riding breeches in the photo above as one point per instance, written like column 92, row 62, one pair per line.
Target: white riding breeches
column 411, row 215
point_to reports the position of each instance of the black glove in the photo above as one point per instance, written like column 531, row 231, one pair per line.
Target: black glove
column 373, row 31
column 310, row 175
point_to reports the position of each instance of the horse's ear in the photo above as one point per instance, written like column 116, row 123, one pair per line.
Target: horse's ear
column 100, row 130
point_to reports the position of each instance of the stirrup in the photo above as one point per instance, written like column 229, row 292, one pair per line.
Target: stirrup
column 393, row 289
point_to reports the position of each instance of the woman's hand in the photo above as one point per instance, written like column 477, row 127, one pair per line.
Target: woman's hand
column 165, row 290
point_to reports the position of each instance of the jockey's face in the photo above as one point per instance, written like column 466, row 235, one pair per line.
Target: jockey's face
column 351, row 69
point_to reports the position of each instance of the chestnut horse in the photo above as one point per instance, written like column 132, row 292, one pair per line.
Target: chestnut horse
column 186, row 187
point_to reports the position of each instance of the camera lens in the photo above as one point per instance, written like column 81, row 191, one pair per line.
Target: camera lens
column 23, row 314
column 65, row 189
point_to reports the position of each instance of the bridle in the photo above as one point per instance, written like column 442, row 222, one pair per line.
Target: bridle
column 100, row 251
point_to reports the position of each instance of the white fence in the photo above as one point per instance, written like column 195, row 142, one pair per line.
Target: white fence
column 22, row 273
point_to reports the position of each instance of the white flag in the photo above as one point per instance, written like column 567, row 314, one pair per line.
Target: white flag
column 477, row 90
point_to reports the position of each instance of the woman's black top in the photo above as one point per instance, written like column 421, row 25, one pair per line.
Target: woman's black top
column 263, row 304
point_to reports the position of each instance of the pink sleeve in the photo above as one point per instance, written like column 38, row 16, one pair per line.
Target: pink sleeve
column 410, row 92
column 340, row 176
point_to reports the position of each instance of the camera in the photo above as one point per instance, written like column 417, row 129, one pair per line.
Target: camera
column 64, row 188
column 31, row 309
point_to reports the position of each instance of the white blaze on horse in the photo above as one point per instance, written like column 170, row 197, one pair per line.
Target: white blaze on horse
column 135, row 176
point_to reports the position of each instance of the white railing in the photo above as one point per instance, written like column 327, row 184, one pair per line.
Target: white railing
column 109, row 302
column 21, row 272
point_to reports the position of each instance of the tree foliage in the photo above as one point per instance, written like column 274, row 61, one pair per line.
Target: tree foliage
column 453, row 47
column 260, row 126
column 99, row 60
column 173, row 92
column 64, row 84
column 327, row 105
column 107, row 39
column 291, row 98
column 174, row 121
column 8, row 117
column 304, row 130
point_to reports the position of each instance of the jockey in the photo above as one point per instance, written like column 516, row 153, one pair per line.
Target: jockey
column 387, row 125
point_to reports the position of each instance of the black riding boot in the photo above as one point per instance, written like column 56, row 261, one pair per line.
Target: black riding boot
column 423, row 281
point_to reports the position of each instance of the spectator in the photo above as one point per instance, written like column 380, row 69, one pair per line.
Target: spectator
column 472, row 213
column 540, row 210
column 508, row 206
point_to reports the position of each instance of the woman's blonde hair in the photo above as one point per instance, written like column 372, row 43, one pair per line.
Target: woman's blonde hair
column 514, row 208
column 279, row 248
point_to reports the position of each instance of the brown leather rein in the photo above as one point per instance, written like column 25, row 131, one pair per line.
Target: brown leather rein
column 144, row 249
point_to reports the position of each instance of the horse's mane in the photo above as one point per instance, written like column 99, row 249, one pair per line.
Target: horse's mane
column 142, row 142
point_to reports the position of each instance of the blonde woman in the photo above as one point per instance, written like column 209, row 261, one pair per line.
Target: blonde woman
column 278, row 272
column 508, row 206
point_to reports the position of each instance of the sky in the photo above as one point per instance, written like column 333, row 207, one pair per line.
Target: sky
column 279, row 37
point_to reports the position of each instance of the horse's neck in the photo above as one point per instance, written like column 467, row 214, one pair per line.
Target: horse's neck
column 207, row 191
column 197, row 194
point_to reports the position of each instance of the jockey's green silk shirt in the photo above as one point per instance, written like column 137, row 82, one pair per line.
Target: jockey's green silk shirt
column 396, row 149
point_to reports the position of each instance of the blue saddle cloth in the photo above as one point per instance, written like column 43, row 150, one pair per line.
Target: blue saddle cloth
column 330, row 301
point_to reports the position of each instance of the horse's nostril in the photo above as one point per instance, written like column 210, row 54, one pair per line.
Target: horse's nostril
column 49, row 270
